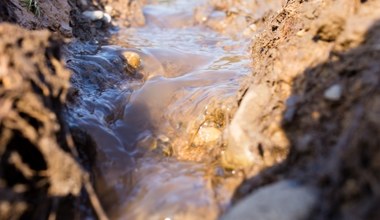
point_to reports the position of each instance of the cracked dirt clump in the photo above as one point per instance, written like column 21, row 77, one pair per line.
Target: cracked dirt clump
column 37, row 166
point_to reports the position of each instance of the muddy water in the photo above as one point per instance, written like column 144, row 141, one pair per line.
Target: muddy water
column 159, row 132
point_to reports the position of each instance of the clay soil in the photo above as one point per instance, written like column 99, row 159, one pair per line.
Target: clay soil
column 300, row 52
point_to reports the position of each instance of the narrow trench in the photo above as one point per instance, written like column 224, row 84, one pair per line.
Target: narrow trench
column 159, row 132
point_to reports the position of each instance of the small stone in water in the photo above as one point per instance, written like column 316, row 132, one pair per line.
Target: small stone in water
column 147, row 143
column 163, row 138
column 93, row 15
column 133, row 59
column 166, row 149
column 209, row 134
column 334, row 93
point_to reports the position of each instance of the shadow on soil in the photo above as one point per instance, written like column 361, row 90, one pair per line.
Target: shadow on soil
column 335, row 145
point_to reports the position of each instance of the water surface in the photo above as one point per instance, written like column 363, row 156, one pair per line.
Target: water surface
column 159, row 133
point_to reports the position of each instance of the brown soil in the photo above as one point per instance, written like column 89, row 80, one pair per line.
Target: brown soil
column 129, row 12
column 53, row 15
column 65, row 17
column 37, row 170
column 303, row 50
column 236, row 17
column 42, row 173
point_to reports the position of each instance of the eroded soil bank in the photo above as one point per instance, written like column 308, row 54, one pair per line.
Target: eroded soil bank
column 316, row 81
column 43, row 173
column 192, row 132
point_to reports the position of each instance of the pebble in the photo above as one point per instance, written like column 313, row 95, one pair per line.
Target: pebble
column 333, row 93
column 93, row 15
column 286, row 200
column 163, row 138
column 97, row 16
column 147, row 143
column 108, row 9
column 291, row 108
column 133, row 59
column 209, row 134
column 301, row 33
column 253, row 27
column 83, row 3
column 166, row 149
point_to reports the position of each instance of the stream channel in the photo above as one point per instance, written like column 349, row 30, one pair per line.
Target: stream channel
column 159, row 132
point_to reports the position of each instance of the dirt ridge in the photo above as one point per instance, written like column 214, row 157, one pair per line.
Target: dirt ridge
column 316, row 74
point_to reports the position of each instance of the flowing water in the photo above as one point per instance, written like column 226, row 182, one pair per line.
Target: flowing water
column 159, row 132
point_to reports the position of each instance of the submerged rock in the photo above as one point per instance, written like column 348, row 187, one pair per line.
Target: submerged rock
column 133, row 59
column 286, row 200
column 207, row 135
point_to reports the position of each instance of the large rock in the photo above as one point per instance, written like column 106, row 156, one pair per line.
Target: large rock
column 242, row 142
column 284, row 200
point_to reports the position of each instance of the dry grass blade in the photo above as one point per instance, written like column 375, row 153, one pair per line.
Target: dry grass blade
column 33, row 6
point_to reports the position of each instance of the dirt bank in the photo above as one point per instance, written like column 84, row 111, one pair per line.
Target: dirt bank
column 67, row 18
column 314, row 104
column 53, row 15
column 43, row 172
column 37, row 170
